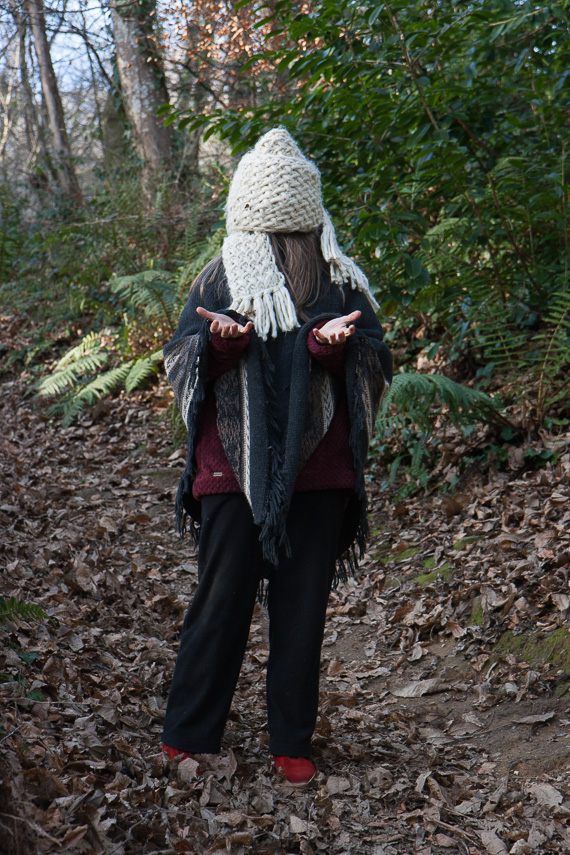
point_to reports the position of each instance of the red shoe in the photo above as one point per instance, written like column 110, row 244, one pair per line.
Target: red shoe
column 297, row 770
column 175, row 752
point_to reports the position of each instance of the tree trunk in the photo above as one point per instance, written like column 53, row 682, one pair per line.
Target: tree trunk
column 26, row 88
column 52, row 100
column 142, row 82
column 113, row 134
column 37, row 153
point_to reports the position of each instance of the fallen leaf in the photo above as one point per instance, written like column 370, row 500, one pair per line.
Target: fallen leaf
column 536, row 838
column 562, row 601
column 421, row 781
column 419, row 688
column 232, row 818
column 520, row 847
column 445, row 841
column 298, row 825
column 337, row 784
column 74, row 836
column 83, row 576
column 416, row 652
column 493, row 844
column 451, row 505
column 188, row 770
column 108, row 524
column 546, row 794
column 535, row 719
column 380, row 776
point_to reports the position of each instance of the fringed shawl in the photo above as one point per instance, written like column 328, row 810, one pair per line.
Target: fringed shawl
column 274, row 408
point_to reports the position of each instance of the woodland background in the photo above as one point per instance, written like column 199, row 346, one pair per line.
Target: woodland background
column 441, row 130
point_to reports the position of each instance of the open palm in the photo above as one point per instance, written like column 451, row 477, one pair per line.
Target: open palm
column 224, row 325
column 337, row 330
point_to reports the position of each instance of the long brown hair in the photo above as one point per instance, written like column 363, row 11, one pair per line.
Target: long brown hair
column 300, row 260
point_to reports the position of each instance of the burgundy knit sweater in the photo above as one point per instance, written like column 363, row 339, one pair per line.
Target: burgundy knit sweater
column 330, row 467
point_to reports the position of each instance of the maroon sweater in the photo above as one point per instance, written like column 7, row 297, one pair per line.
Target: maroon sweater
column 330, row 467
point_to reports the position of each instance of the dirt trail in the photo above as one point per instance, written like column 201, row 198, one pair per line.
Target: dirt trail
column 430, row 740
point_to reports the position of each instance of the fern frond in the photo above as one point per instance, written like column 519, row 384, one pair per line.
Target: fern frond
column 104, row 383
column 558, row 309
column 418, row 398
column 142, row 370
column 505, row 344
column 68, row 410
column 200, row 254
column 13, row 608
column 151, row 291
column 66, row 378
column 92, row 341
column 556, row 334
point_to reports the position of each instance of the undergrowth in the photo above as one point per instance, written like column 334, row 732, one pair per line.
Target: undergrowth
column 129, row 354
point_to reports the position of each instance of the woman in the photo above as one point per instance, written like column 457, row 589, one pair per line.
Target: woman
column 278, row 366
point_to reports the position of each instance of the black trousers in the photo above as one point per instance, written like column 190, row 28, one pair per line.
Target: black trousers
column 216, row 626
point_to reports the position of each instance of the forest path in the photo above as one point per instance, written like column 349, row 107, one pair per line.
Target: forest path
column 426, row 743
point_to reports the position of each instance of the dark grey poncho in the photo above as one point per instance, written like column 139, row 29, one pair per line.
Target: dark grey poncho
column 274, row 408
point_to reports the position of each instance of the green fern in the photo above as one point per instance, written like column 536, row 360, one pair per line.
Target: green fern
column 82, row 383
column 554, row 345
column 103, row 384
column 87, row 344
column 200, row 253
column 12, row 608
column 541, row 357
column 103, row 362
column 151, row 292
column 408, row 414
column 63, row 380
column 418, row 398
column 68, row 409
column 142, row 370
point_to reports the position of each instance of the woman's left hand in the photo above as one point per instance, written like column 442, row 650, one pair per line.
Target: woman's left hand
column 337, row 330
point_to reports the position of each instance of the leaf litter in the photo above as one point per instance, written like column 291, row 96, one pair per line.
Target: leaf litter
column 445, row 710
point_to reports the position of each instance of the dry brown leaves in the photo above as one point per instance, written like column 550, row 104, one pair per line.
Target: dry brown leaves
column 430, row 739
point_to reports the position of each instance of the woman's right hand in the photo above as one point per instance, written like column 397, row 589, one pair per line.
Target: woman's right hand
column 224, row 325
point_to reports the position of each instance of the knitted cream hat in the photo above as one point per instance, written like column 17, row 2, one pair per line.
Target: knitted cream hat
column 276, row 189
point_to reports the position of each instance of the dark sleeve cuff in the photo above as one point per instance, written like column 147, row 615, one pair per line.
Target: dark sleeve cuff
column 227, row 346
column 225, row 353
column 330, row 356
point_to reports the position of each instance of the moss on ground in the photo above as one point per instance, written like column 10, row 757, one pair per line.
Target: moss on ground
column 387, row 556
column 445, row 571
column 537, row 648
column 463, row 541
column 407, row 553
column 476, row 616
